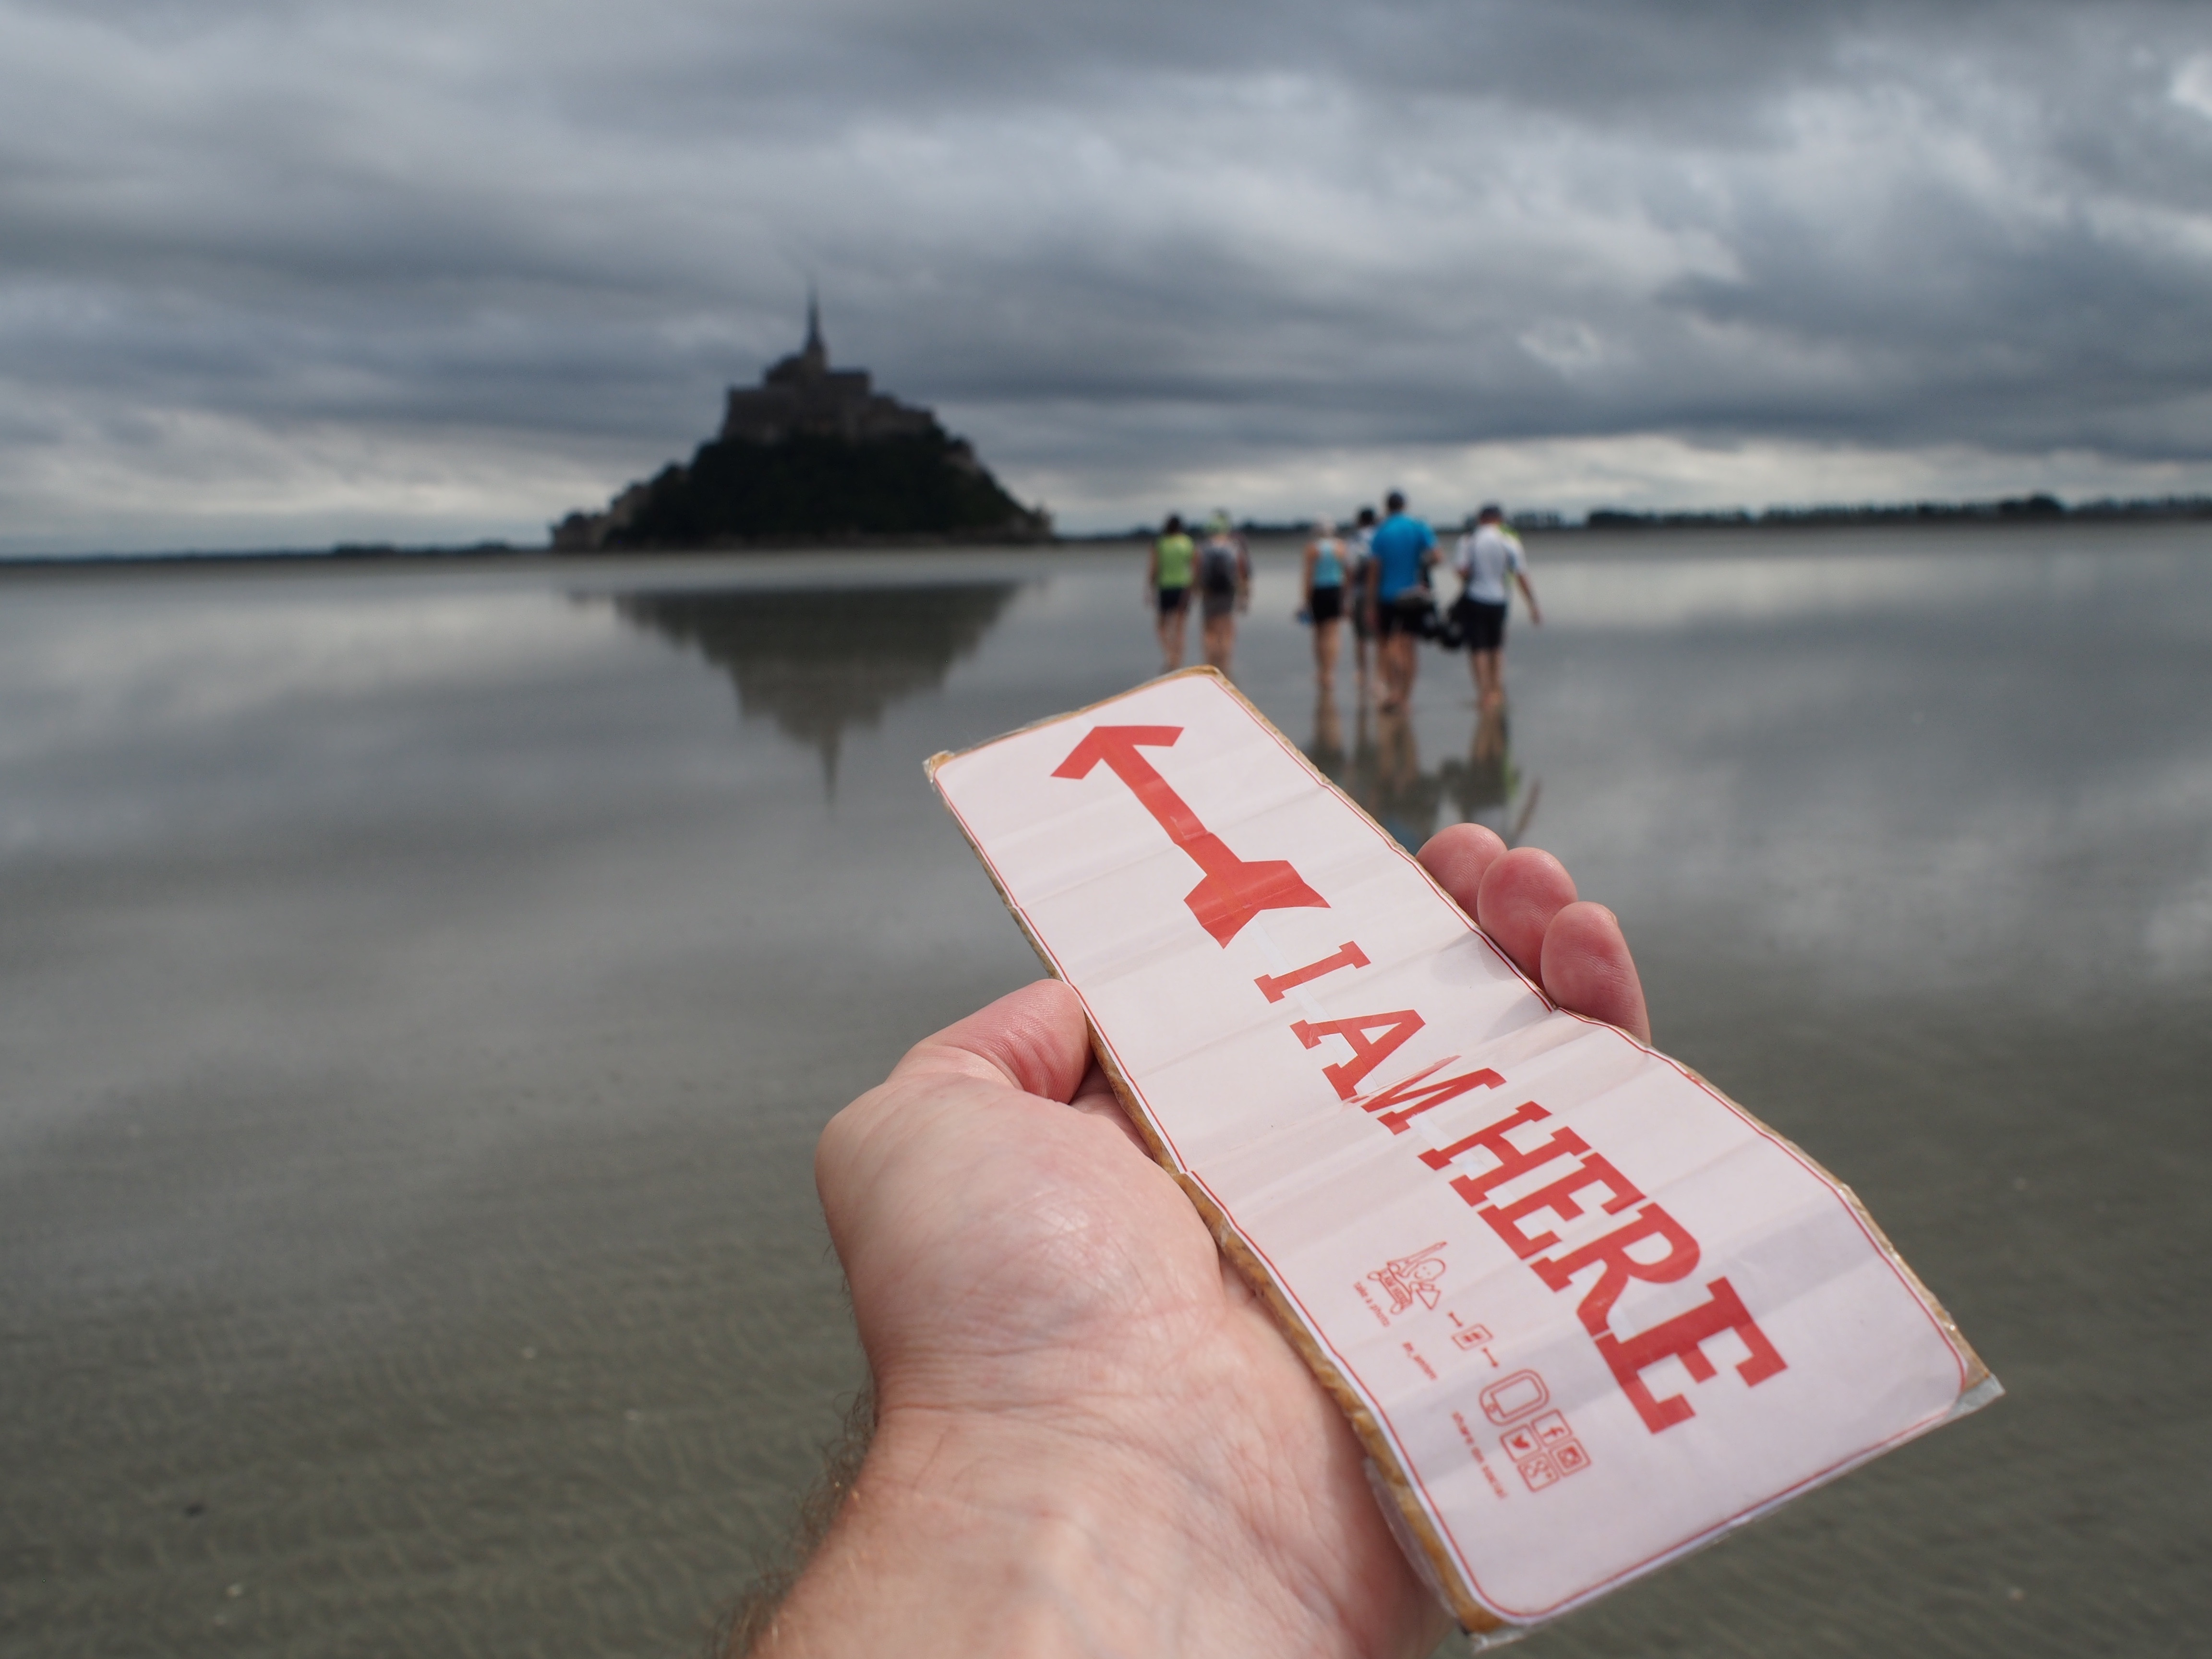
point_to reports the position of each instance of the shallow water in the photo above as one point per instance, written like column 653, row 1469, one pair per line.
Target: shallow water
column 423, row 989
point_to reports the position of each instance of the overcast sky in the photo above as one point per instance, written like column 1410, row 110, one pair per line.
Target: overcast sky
column 275, row 272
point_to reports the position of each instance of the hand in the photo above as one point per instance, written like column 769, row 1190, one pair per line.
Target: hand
column 1091, row 1435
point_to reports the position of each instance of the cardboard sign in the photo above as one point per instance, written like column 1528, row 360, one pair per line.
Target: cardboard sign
column 1586, row 1312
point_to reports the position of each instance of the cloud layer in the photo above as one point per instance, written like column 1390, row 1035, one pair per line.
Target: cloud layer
column 294, row 273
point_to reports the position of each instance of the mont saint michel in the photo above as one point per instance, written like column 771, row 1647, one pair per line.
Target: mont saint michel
column 812, row 455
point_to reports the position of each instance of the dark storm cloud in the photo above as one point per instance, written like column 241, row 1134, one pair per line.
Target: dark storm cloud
column 510, row 252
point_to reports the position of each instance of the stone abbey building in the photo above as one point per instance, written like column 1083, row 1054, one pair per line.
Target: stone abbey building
column 812, row 455
column 803, row 393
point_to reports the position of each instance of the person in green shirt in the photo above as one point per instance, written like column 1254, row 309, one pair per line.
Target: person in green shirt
column 1167, row 584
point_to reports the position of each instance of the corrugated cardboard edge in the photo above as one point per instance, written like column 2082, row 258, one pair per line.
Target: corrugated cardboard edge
column 1442, row 1571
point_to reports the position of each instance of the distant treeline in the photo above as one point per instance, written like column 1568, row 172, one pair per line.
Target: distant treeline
column 2012, row 509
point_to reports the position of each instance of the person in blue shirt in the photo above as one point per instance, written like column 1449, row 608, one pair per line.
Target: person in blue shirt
column 1399, row 555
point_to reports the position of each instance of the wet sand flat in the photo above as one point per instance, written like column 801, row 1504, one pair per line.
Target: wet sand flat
column 420, row 990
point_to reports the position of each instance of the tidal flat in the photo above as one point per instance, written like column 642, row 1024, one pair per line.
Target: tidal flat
column 421, row 987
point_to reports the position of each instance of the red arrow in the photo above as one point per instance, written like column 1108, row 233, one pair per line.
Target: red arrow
column 1234, row 891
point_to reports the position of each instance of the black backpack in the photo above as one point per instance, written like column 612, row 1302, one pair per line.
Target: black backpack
column 1217, row 567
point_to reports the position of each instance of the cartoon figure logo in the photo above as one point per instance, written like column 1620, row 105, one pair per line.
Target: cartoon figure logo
column 1411, row 1278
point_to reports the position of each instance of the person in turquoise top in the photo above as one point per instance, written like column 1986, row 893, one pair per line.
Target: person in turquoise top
column 1399, row 557
column 1167, row 584
column 1324, row 606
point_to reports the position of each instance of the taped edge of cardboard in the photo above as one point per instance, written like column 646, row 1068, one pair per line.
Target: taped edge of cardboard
column 1416, row 1534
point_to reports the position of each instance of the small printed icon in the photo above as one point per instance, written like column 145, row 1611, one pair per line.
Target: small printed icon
column 1514, row 1396
column 1539, row 1471
column 1471, row 1336
column 1544, row 1449
column 1411, row 1278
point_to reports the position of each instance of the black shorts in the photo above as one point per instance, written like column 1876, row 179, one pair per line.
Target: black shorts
column 1172, row 600
column 1481, row 623
column 1327, row 603
column 1405, row 614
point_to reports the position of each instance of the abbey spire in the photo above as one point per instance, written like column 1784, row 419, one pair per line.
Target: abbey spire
column 815, row 354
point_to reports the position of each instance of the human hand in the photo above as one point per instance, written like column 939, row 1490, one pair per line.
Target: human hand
column 1090, row 1434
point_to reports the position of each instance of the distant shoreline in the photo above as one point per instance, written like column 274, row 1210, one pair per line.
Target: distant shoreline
column 2010, row 513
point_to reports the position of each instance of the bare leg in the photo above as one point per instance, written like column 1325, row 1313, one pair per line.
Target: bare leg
column 1175, row 629
column 1325, row 652
column 1399, row 664
column 1489, row 677
column 1489, row 669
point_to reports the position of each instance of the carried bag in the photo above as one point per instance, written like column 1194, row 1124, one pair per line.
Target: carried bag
column 1415, row 610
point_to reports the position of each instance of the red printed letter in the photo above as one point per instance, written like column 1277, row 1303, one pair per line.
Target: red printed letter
column 1558, row 1197
column 1366, row 1054
column 1512, row 1160
column 1348, row 955
column 1610, row 1253
column 1679, row 1337
column 1423, row 1095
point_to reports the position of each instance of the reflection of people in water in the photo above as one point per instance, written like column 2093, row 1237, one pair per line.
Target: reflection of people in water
column 1484, row 786
column 1383, row 775
column 1167, row 584
column 1327, row 749
column 1324, row 600
column 1224, row 585
column 1484, row 557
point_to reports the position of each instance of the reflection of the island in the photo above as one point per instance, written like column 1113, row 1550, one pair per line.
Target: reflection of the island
column 818, row 660
column 1382, row 773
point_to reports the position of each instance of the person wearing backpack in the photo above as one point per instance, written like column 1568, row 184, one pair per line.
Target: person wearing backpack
column 1224, row 587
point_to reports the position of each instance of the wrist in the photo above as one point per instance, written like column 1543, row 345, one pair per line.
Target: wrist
column 985, row 1535
column 988, row 1534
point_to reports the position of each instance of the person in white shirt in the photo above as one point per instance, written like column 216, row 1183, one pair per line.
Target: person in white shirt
column 1484, row 557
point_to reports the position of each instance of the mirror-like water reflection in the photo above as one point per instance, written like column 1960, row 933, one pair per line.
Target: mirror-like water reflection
column 1383, row 770
column 421, row 998
column 818, row 663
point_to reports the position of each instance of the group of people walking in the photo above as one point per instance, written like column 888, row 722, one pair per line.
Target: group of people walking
column 1380, row 577
column 1218, row 569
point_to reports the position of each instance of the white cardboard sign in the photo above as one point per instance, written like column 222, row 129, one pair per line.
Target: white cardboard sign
column 1586, row 1312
